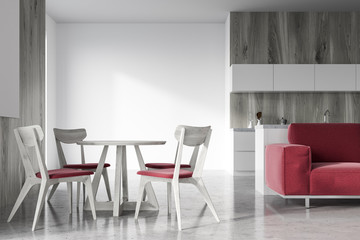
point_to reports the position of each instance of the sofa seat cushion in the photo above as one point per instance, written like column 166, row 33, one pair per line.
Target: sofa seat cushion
column 335, row 178
column 165, row 165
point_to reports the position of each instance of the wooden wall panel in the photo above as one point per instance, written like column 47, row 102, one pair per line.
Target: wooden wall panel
column 335, row 37
column 294, row 38
column 298, row 28
column 249, row 38
column 357, row 46
column 297, row 107
column 32, row 97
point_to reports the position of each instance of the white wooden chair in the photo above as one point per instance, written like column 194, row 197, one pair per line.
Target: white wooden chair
column 188, row 166
column 31, row 137
column 188, row 136
column 71, row 136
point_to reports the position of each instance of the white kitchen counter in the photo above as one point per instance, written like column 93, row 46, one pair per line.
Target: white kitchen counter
column 264, row 135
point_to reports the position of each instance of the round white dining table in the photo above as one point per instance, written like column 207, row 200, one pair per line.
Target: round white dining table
column 121, row 179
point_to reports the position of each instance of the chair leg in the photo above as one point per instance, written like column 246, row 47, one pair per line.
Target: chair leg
column 53, row 189
column 40, row 202
column 78, row 189
column 200, row 185
column 144, row 196
column 84, row 194
column 140, row 196
column 24, row 191
column 69, row 190
column 106, row 181
column 176, row 191
column 169, row 197
column 90, row 196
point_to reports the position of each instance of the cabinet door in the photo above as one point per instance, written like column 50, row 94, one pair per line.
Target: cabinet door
column 335, row 77
column 244, row 161
column 244, row 141
column 294, row 77
column 252, row 77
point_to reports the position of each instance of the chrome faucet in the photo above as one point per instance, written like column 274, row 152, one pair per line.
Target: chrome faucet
column 326, row 116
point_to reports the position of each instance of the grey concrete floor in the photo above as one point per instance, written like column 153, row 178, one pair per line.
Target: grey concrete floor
column 243, row 213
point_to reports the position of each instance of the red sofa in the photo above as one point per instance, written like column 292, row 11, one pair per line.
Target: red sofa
column 322, row 160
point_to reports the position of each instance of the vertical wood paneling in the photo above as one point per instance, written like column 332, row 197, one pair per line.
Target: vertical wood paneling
column 357, row 46
column 294, row 37
column 335, row 37
column 277, row 38
column 248, row 38
column 298, row 28
column 319, row 36
column 343, row 36
column 32, row 97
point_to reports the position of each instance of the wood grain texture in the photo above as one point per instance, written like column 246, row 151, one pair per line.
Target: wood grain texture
column 298, row 41
column 334, row 35
column 297, row 107
column 357, row 47
column 294, row 37
column 248, row 37
column 32, row 97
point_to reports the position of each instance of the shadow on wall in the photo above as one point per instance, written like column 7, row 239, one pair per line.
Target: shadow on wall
column 297, row 107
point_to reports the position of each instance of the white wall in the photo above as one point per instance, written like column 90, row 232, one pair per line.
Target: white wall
column 9, row 58
column 139, row 81
column 51, row 92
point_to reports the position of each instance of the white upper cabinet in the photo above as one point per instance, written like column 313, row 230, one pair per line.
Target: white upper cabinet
column 252, row 77
column 335, row 77
column 294, row 77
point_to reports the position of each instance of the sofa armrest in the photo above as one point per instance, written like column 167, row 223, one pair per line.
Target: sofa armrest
column 287, row 168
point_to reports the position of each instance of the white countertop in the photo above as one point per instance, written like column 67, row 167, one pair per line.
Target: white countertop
column 271, row 126
column 244, row 130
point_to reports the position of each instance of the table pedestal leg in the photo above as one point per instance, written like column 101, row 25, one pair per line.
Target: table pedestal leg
column 121, row 185
column 125, row 188
column 120, row 153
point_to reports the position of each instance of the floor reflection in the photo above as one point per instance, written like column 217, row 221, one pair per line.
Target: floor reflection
column 244, row 214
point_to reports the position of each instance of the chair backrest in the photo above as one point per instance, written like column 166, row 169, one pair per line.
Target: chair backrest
column 27, row 138
column 193, row 137
column 68, row 136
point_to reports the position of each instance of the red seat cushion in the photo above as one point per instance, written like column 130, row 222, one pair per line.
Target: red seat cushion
column 85, row 166
column 65, row 172
column 165, row 165
column 165, row 173
column 335, row 178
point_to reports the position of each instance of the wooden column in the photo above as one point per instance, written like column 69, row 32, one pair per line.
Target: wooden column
column 32, row 97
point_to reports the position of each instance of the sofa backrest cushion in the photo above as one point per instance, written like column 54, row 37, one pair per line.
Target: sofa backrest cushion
column 329, row 142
